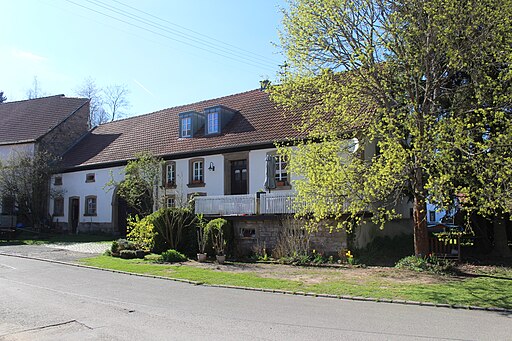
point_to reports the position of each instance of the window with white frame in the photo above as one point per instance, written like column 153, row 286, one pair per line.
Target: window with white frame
column 197, row 171
column 186, row 127
column 170, row 174
column 170, row 201
column 281, row 172
column 90, row 205
column 213, row 122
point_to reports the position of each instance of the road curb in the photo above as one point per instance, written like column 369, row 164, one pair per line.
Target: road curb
column 275, row 291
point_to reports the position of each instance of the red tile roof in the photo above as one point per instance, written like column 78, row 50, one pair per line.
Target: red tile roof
column 28, row 120
column 256, row 122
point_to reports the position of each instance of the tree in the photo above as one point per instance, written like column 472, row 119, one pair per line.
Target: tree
column 97, row 115
column 140, row 182
column 115, row 100
column 428, row 83
column 106, row 104
column 35, row 91
column 2, row 97
column 24, row 178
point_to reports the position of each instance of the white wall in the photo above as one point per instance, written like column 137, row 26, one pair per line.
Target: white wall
column 6, row 151
column 74, row 185
column 257, row 171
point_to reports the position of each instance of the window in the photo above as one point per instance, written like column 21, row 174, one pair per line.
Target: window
column 170, row 174
column 90, row 206
column 247, row 233
column 213, row 122
column 432, row 215
column 186, row 127
column 57, row 181
column 90, row 177
column 170, row 201
column 58, row 206
column 196, row 173
column 281, row 173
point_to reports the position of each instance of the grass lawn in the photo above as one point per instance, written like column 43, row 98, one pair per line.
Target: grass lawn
column 484, row 287
column 29, row 238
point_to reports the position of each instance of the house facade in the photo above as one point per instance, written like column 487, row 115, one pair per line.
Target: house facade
column 217, row 150
column 51, row 124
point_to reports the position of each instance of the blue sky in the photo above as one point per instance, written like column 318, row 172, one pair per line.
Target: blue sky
column 62, row 42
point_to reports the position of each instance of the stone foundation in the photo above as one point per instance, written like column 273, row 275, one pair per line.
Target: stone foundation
column 86, row 227
column 252, row 235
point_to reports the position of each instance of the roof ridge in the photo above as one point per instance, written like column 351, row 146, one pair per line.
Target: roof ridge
column 179, row 106
column 44, row 97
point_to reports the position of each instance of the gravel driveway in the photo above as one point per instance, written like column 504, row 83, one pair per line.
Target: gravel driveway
column 66, row 252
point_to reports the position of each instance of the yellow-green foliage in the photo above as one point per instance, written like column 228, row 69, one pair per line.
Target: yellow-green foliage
column 427, row 82
column 141, row 232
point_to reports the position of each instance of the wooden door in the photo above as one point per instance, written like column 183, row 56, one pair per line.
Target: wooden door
column 74, row 213
column 239, row 177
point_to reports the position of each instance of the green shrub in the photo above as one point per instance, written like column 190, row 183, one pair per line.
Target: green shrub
column 128, row 254
column 173, row 256
column 141, row 232
column 120, row 245
column 171, row 222
column 216, row 229
column 140, row 254
column 430, row 264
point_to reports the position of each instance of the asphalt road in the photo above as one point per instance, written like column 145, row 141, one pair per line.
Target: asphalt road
column 46, row 301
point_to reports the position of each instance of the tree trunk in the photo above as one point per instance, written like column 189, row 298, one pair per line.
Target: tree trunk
column 421, row 243
column 501, row 247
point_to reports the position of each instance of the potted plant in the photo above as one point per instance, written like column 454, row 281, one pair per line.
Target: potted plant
column 215, row 227
column 202, row 237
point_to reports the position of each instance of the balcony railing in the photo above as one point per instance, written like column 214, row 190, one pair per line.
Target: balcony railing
column 277, row 203
column 247, row 204
column 226, row 205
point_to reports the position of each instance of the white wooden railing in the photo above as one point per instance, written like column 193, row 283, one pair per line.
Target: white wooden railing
column 226, row 204
column 277, row 203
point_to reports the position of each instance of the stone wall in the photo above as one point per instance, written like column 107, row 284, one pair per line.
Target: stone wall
column 67, row 133
column 85, row 227
column 266, row 234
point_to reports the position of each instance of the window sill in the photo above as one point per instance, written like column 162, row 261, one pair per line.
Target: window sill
column 88, row 181
column 199, row 184
column 282, row 188
column 170, row 186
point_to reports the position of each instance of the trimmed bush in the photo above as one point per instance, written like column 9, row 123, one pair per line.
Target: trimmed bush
column 128, row 254
column 120, row 245
column 430, row 264
column 173, row 256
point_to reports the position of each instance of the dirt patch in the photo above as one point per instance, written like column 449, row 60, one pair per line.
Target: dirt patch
column 315, row 275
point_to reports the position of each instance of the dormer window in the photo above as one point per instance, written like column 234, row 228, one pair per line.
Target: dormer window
column 190, row 123
column 213, row 122
column 186, row 127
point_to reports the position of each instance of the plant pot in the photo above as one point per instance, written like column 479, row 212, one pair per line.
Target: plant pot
column 201, row 257
column 221, row 259
column 280, row 183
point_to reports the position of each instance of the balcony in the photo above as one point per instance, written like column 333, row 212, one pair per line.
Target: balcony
column 246, row 204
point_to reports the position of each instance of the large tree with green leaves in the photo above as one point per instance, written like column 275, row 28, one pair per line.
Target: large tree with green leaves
column 428, row 83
